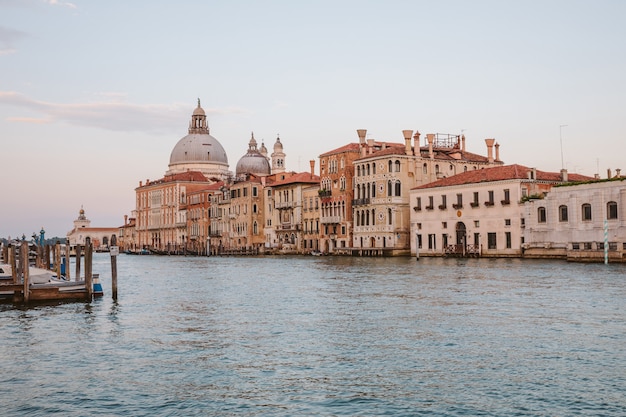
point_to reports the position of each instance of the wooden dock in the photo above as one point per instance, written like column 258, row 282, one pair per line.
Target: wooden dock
column 19, row 289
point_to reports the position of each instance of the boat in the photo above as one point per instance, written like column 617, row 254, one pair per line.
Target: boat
column 316, row 253
column 35, row 275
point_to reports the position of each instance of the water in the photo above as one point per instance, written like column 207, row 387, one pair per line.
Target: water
column 324, row 336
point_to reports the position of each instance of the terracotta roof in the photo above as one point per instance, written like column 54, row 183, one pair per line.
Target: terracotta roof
column 354, row 147
column 501, row 173
column 301, row 177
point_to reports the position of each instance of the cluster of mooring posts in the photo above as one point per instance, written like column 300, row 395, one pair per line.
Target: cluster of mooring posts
column 36, row 274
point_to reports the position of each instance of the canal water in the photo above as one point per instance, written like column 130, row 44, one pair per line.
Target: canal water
column 324, row 336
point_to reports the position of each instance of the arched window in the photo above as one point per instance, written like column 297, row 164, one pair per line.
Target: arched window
column 358, row 170
column 563, row 213
column 397, row 166
column 389, row 215
column 437, row 169
column 465, row 168
column 389, row 168
column 398, row 189
column 541, row 215
column 611, row 210
column 586, row 212
column 425, row 168
column 255, row 228
column 374, row 169
column 368, row 169
column 373, row 190
column 389, row 188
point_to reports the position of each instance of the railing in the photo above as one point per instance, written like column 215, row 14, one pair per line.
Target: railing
column 330, row 219
column 360, row 201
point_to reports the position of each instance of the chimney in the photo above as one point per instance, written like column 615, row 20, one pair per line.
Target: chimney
column 463, row 143
column 497, row 151
column 361, row 133
column 618, row 172
column 407, row 141
column 141, row 183
column 489, row 143
column 416, row 143
column 370, row 146
column 312, row 163
column 431, row 138
column 125, row 219
column 608, row 173
column 564, row 175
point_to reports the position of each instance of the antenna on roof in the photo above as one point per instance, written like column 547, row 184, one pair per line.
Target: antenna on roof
column 561, row 140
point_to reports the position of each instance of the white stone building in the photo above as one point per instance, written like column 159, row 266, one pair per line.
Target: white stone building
column 477, row 213
column 570, row 222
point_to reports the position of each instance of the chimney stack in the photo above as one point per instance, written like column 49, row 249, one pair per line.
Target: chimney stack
column 497, row 151
column 312, row 163
column 489, row 143
column 431, row 138
column 608, row 173
column 618, row 172
column 361, row 133
column 407, row 141
column 463, row 143
column 564, row 175
column 125, row 219
column 416, row 143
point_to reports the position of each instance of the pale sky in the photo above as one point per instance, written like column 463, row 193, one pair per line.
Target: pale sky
column 95, row 94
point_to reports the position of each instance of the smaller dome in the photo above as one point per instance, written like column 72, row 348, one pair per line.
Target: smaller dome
column 253, row 162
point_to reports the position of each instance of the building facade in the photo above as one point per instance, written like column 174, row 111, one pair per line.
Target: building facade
column 478, row 212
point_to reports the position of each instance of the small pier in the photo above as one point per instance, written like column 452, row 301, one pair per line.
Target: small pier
column 29, row 275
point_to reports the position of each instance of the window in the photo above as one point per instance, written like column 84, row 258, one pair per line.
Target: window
column 255, row 192
column 418, row 203
column 443, row 202
column 459, row 201
column 586, row 212
column 490, row 201
column 507, row 222
column 432, row 244
column 476, row 223
column 425, row 168
column 508, row 239
column 430, row 203
column 475, row 202
column 398, row 189
column 562, row 213
column 611, row 210
column 389, row 189
column 541, row 215
column 397, row 166
column 491, row 241
column 507, row 197
column 444, row 225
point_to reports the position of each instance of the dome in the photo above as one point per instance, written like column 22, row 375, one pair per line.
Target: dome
column 199, row 151
column 253, row 162
column 198, row 147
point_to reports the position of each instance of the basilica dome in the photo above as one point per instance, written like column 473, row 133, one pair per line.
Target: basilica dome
column 253, row 162
column 199, row 151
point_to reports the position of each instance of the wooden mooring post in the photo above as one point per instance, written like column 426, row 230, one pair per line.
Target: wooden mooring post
column 25, row 270
column 79, row 254
column 114, row 251
column 88, row 270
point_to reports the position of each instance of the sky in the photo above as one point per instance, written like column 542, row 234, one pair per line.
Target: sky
column 94, row 95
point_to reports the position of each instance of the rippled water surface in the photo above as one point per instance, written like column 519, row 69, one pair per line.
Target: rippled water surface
column 324, row 336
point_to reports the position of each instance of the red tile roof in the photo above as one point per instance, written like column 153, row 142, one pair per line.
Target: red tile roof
column 301, row 177
column 350, row 147
column 501, row 173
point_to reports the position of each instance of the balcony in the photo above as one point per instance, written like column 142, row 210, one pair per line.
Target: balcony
column 442, row 206
column 429, row 207
column 417, row 208
column 284, row 204
column 325, row 193
column 457, row 206
column 489, row 203
column 505, row 202
column 330, row 219
column 360, row 201
column 474, row 204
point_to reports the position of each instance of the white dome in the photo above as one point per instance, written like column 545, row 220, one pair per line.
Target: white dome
column 199, row 151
